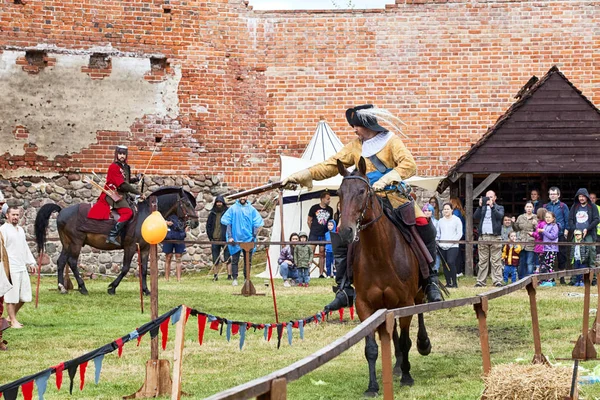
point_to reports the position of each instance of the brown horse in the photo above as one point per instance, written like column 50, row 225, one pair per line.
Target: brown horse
column 171, row 200
column 386, row 271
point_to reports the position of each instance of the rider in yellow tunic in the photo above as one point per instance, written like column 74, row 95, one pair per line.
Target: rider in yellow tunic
column 388, row 162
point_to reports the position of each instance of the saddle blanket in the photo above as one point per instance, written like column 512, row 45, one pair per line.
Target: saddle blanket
column 85, row 224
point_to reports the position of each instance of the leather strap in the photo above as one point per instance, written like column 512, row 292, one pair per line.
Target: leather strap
column 378, row 164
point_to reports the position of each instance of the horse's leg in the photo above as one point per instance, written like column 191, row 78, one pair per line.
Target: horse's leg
column 405, row 344
column 371, row 352
column 145, row 255
column 73, row 257
column 423, row 343
column 61, row 262
column 127, row 256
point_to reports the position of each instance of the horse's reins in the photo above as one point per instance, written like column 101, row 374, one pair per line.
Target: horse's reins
column 186, row 216
column 368, row 202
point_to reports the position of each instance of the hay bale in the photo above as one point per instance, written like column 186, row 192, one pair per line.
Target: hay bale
column 520, row 381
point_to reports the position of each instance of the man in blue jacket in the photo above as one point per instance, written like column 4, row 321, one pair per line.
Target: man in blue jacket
column 242, row 221
column 561, row 211
column 490, row 216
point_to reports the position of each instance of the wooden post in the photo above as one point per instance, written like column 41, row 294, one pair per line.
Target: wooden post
column 469, row 223
column 178, row 355
column 596, row 325
column 538, row 357
column 282, row 232
column 387, row 374
column 584, row 348
column 153, row 285
column 278, row 390
column 481, row 312
column 248, row 288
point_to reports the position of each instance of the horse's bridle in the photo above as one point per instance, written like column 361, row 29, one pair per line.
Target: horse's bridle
column 186, row 216
column 368, row 201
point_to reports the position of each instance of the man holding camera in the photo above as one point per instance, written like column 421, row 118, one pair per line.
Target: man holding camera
column 490, row 217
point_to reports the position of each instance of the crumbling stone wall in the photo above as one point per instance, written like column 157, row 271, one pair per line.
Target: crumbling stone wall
column 33, row 192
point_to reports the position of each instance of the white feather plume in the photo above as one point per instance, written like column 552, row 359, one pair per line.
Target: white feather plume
column 382, row 115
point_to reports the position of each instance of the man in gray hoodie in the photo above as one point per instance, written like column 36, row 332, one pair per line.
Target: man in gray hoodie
column 216, row 232
column 583, row 215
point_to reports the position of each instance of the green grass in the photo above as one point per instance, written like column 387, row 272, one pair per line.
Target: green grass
column 66, row 326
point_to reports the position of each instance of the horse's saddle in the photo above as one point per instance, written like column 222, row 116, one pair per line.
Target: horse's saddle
column 101, row 226
column 403, row 217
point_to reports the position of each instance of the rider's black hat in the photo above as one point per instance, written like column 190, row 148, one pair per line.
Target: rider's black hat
column 366, row 119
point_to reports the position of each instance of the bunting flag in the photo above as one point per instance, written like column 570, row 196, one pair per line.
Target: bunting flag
column 270, row 333
column 133, row 335
column 27, row 389
column 242, row 335
column 214, row 325
column 201, row 327
column 266, row 331
column 279, row 334
column 235, row 328
column 11, row 394
column 228, row 334
column 289, row 333
column 295, row 324
column 42, row 383
column 352, row 313
column 139, row 339
column 341, row 311
column 188, row 311
column 82, row 368
column 301, row 327
column 98, row 365
column 164, row 331
column 59, row 374
column 176, row 316
column 72, row 370
column 119, row 343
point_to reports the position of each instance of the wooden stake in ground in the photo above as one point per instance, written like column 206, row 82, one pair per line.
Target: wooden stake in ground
column 248, row 288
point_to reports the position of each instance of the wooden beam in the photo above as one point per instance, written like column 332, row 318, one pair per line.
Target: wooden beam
column 455, row 176
column 483, row 185
column 481, row 311
column 469, row 222
column 538, row 357
column 178, row 355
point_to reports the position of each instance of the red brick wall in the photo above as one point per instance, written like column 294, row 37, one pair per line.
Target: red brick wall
column 449, row 69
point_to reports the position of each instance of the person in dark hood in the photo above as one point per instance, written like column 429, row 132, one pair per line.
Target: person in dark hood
column 216, row 232
column 584, row 217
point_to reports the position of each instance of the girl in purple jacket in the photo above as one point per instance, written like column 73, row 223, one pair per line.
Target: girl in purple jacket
column 549, row 234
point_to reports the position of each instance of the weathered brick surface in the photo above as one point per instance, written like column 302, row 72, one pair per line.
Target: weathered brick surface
column 255, row 84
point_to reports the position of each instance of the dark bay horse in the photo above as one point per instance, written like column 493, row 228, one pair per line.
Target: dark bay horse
column 386, row 271
column 171, row 200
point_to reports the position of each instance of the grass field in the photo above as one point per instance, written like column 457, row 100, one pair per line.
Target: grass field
column 66, row 326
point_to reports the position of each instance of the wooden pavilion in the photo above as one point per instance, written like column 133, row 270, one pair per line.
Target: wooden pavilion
column 549, row 137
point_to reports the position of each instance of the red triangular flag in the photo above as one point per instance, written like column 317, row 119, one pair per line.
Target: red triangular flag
column 139, row 339
column 164, row 330
column 201, row 327
column 295, row 324
column 27, row 389
column 270, row 333
column 188, row 311
column 235, row 328
column 119, row 343
column 341, row 311
column 322, row 315
column 352, row 313
column 214, row 325
column 82, row 368
column 59, row 372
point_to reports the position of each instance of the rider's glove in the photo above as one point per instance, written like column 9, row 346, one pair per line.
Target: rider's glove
column 388, row 179
column 302, row 178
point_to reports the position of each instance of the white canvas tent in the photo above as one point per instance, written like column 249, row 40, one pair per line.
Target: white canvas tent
column 323, row 145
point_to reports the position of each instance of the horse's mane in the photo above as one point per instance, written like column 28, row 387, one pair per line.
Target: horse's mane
column 174, row 190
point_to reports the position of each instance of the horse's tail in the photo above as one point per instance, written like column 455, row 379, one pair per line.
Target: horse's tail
column 41, row 223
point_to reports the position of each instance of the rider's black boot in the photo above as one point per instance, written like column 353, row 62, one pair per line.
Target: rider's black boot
column 114, row 233
column 431, row 283
column 344, row 292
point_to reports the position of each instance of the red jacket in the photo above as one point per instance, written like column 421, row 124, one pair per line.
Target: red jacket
column 115, row 177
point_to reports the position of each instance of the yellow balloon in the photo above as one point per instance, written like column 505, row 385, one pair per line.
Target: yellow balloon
column 154, row 228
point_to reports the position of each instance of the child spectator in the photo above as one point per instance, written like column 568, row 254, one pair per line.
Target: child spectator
column 580, row 256
column 507, row 227
column 287, row 267
column 331, row 227
column 549, row 234
column 539, row 249
column 510, row 256
column 303, row 255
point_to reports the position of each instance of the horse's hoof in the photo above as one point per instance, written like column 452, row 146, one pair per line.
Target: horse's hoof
column 407, row 380
column 371, row 393
column 397, row 371
column 146, row 292
column 111, row 290
column 83, row 291
column 424, row 348
column 62, row 289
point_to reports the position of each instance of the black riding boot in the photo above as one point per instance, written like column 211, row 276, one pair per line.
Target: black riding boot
column 430, row 284
column 344, row 292
column 114, row 233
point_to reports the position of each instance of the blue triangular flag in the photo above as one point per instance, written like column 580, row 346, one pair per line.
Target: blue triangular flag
column 319, row 317
column 229, row 323
column 301, row 327
column 42, row 383
column 211, row 318
column 98, row 365
column 242, row 335
column 289, row 333
column 176, row 315
column 134, row 335
column 266, row 330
